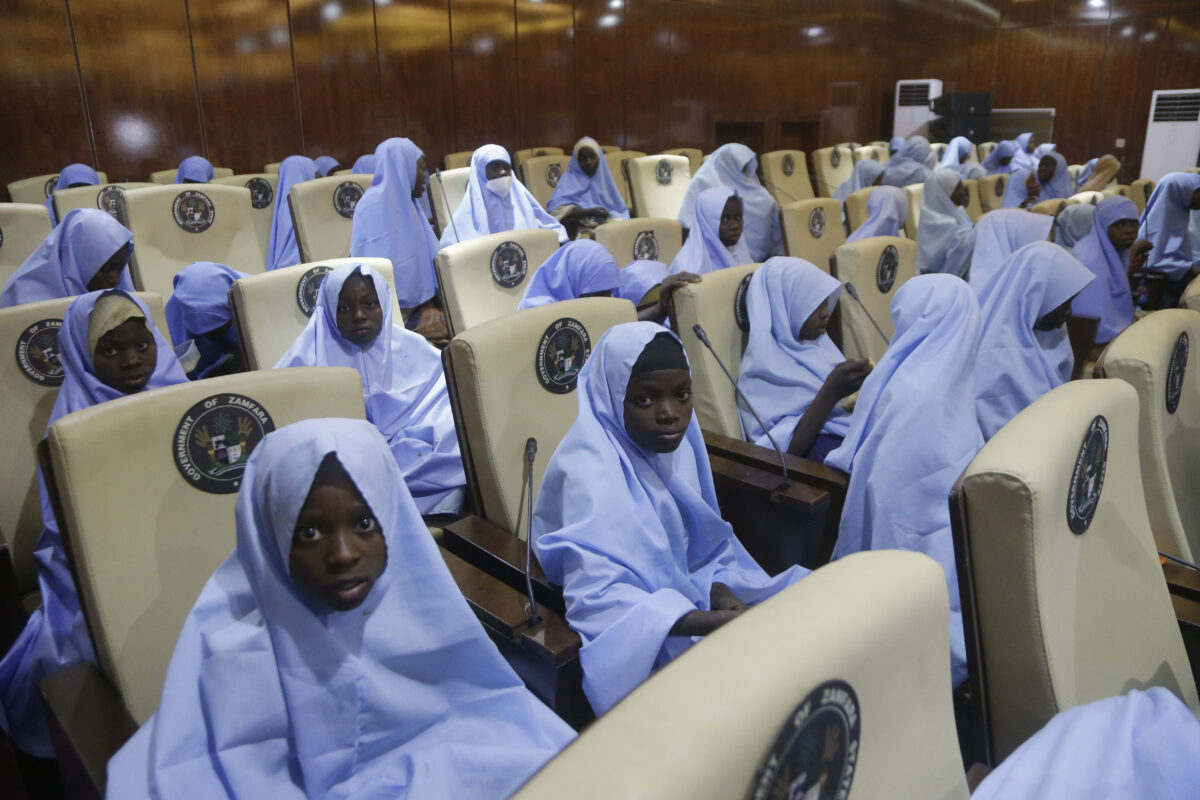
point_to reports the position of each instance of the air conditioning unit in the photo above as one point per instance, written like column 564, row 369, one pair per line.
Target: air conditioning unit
column 912, row 112
column 1172, row 134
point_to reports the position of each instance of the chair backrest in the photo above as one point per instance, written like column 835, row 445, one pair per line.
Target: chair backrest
column 485, row 277
column 519, row 156
column 785, row 176
column 446, row 191
column 271, row 309
column 853, row 702
column 812, row 229
column 856, row 207
column 991, row 192
column 984, row 149
column 106, row 197
column 1191, row 294
column 28, row 387
column 1116, row 189
column 262, row 186
column 974, row 206
column 323, row 213
column 164, row 176
column 1083, row 198
column 832, row 166
column 694, row 155
column 877, row 267
column 457, row 160
column 1059, row 565
column 874, row 152
column 609, row 148
column 540, row 175
column 657, row 185
column 1140, row 191
column 938, row 149
column 912, row 220
column 644, row 238
column 1073, row 171
column 616, row 166
column 1049, row 207
column 272, row 168
column 174, row 226
column 513, row 378
column 1152, row 356
column 147, row 488
column 718, row 304
column 38, row 188
column 23, row 226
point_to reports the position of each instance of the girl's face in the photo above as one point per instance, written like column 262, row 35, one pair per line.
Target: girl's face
column 359, row 315
column 1123, row 233
column 731, row 222
column 420, row 178
column 589, row 161
column 109, row 274
column 816, row 323
column 1046, row 169
column 658, row 409
column 498, row 169
column 1031, row 145
column 125, row 357
column 960, row 195
column 1004, row 162
column 338, row 550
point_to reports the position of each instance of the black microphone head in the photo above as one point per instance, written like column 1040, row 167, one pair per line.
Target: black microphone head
column 699, row 331
column 530, row 448
column 851, row 290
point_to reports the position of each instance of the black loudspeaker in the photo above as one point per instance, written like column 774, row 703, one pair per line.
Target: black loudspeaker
column 962, row 103
column 966, row 114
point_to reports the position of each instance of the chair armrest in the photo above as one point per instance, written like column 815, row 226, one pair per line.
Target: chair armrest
column 88, row 723
column 500, row 554
column 799, row 469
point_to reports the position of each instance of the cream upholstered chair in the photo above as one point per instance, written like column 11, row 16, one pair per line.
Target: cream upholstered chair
column 323, row 213
column 785, row 176
column 38, row 188
column 938, row 149
column 486, row 277
column 1049, row 207
column 866, row 677
column 1140, row 191
column 991, row 192
column 832, row 166
column 520, row 156
column 1073, row 171
column 694, row 155
column 271, row 309
column 1117, row 189
column 1191, row 295
column 457, row 160
column 174, row 226
column 446, row 191
column 877, row 268
column 106, row 197
column 812, row 229
column 272, row 168
column 164, row 176
column 1084, row 198
column 609, row 148
column 262, row 186
column 540, row 175
column 1153, row 356
column 984, row 149
column 657, row 185
column 974, row 206
column 29, row 381
column 641, row 238
column 616, row 165
column 1063, row 596
column 912, row 220
column 23, row 226
column 874, row 152
column 856, row 207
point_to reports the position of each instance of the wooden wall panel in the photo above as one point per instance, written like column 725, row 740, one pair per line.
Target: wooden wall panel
column 1025, row 13
column 600, row 71
column 1180, row 66
column 486, row 100
column 1073, row 86
column 1134, row 48
column 546, row 73
column 1020, row 67
column 694, row 74
column 648, row 75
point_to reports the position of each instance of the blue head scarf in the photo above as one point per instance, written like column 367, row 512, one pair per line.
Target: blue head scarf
column 482, row 211
column 577, row 268
column 1109, row 296
column 703, row 251
column 194, row 169
column 865, row 173
column 282, row 249
column 198, row 310
column 887, row 208
column 635, row 538
column 958, row 149
column 913, row 432
column 1022, row 158
column 734, row 166
column 1073, row 223
column 945, row 237
column 389, row 224
column 365, row 165
column 638, row 278
column 325, row 165
column 68, row 258
column 600, row 190
column 71, row 175
column 1165, row 224
column 269, row 694
column 1085, row 173
column 907, row 166
column 894, row 144
column 1017, row 364
column 992, row 165
column 998, row 235
column 1059, row 186
column 780, row 372
column 404, row 389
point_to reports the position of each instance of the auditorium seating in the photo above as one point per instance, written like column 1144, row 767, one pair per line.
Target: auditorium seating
column 23, row 226
column 856, row 208
column 657, row 185
column 694, row 155
column 938, row 149
column 991, row 192
column 785, row 176
column 609, row 148
column 974, row 207
column 912, row 219
column 38, row 188
column 877, row 267
column 641, row 239
column 272, row 167
column 1073, row 171
column 812, row 229
column 1114, row 189
column 984, row 149
column 106, row 197
column 533, row 152
column 164, row 176
column 1084, row 198
column 262, row 187
column 457, row 160
column 616, row 166
column 540, row 175
column 1140, row 191
column 323, row 214
column 446, row 191
column 875, row 152
column 1049, row 207
column 832, row 166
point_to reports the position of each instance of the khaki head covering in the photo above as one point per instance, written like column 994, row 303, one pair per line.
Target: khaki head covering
column 110, row 312
column 1104, row 171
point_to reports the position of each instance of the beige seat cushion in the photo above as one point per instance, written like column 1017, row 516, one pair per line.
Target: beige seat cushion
column 323, row 213
column 641, row 238
column 457, row 160
column 1140, row 191
column 832, row 166
column 38, row 188
column 164, row 176
column 106, row 197
column 785, row 176
column 657, row 185
column 694, row 155
column 23, row 226
column 874, row 152
column 262, row 186
column 984, row 149
column 912, row 220
column 616, row 165
column 812, row 229
column 991, row 191
column 974, row 207
column 1048, row 207
column 856, row 208
column 446, row 191
column 520, row 156
column 540, row 175
column 877, row 267
column 1083, row 198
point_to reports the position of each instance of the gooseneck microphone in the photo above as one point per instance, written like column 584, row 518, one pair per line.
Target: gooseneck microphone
column 703, row 337
column 530, row 452
column 775, row 185
column 1179, row 560
column 454, row 228
column 854, row 293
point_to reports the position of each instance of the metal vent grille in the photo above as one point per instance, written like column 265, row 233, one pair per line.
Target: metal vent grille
column 1177, row 107
column 915, row 94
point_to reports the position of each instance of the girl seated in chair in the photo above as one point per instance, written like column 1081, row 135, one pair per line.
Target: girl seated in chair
column 587, row 195
column 715, row 240
column 201, row 321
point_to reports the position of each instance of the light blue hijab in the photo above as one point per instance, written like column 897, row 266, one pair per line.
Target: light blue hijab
column 913, row 432
column 1109, row 296
column 270, row 695
column 600, row 190
column 780, row 372
column 72, row 174
column 195, row 169
column 1085, row 173
column 907, row 166
column 1165, row 223
column 703, row 251
column 577, row 268
column 1006, row 149
column 68, row 258
column 894, row 144
column 998, row 235
column 945, row 236
column 282, row 249
column 389, row 224
column 865, row 173
column 365, row 165
column 199, row 308
column 1073, row 223
column 887, row 208
column 1017, row 364
column 735, row 166
column 55, row 635
column 635, row 539
column 1059, row 186
column 404, row 389
column 960, row 147
column 638, row 278
column 1021, row 158
column 482, row 211
column 325, row 165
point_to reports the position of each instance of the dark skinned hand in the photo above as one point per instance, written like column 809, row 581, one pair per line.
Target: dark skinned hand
column 1138, row 254
column 847, row 377
column 722, row 598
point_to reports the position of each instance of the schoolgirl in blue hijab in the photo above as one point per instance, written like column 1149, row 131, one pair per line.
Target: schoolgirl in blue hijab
column 326, row 165
column 867, row 172
column 894, row 144
column 583, row 268
column 282, row 249
column 88, row 251
column 792, row 373
column 1000, row 161
column 194, row 169
column 1024, row 351
column 955, row 158
column 1106, row 251
column 998, row 235
column 593, row 194
column 1047, row 181
column 913, row 432
column 735, row 166
column 71, row 176
column 907, row 166
column 1024, row 157
column 332, row 654
column 715, row 241
column 627, row 519
column 404, row 387
column 388, row 222
column 109, row 348
column 198, row 312
column 638, row 278
column 497, row 203
column 1165, row 225
column 365, row 165
column 1072, row 223
column 945, row 236
column 887, row 208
